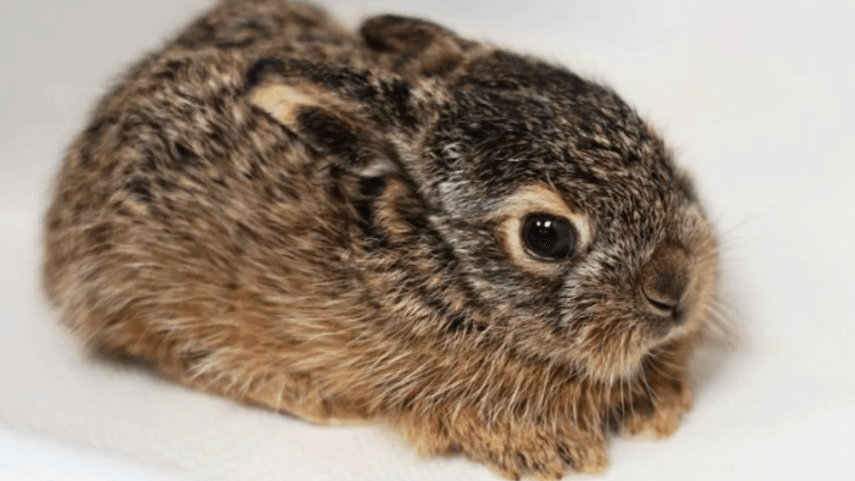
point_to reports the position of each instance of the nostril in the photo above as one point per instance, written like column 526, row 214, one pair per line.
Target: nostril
column 664, row 287
column 663, row 302
column 665, row 307
column 665, row 279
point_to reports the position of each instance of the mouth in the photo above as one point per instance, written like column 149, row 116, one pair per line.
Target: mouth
column 618, row 351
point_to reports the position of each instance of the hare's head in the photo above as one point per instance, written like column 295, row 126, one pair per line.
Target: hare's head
column 549, row 217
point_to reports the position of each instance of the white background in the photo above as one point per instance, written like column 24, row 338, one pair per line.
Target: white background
column 757, row 100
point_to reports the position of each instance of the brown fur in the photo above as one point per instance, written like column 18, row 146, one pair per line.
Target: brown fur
column 276, row 210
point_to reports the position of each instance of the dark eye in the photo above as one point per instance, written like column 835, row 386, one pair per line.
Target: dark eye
column 548, row 237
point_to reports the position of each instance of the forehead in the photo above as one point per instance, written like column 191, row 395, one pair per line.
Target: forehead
column 520, row 119
column 508, row 71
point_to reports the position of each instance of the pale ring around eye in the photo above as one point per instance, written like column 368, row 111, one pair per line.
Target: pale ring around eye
column 539, row 230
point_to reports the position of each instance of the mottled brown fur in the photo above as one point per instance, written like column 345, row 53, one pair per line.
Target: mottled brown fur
column 274, row 209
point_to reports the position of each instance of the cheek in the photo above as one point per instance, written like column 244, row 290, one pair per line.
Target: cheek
column 613, row 345
column 604, row 327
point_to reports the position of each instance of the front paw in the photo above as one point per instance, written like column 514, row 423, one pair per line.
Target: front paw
column 514, row 448
column 658, row 413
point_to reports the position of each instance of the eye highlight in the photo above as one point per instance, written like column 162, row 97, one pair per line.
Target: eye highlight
column 548, row 237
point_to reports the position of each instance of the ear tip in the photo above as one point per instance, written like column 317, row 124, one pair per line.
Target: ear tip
column 374, row 41
column 375, row 29
column 395, row 32
column 388, row 19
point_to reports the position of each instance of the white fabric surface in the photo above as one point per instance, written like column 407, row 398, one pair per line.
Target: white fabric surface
column 757, row 99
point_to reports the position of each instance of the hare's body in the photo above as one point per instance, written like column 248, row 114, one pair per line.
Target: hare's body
column 180, row 191
column 280, row 211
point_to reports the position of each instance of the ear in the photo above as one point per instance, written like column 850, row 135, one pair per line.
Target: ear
column 414, row 46
column 319, row 105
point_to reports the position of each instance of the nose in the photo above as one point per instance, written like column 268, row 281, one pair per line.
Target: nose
column 665, row 279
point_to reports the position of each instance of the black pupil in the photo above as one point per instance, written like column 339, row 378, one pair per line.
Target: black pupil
column 549, row 237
